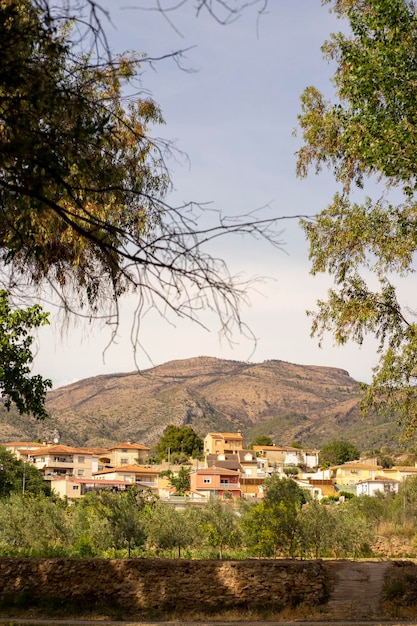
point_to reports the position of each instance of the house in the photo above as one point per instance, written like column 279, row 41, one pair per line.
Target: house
column 74, row 488
column 246, row 463
column 399, row 472
column 379, row 484
column 63, row 460
column 128, row 453
column 351, row 473
column 214, row 482
column 22, row 449
column 287, row 456
column 142, row 477
column 219, row 443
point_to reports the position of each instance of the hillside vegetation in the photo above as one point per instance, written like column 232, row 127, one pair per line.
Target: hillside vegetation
column 289, row 402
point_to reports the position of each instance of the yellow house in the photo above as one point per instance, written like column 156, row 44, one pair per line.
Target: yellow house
column 399, row 472
column 128, row 453
column 353, row 472
column 75, row 488
column 220, row 443
column 61, row 460
column 145, row 477
column 22, row 449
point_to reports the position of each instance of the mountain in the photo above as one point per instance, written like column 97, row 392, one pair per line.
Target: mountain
column 304, row 403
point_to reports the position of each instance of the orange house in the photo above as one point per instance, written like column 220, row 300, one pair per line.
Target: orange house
column 214, row 482
column 219, row 443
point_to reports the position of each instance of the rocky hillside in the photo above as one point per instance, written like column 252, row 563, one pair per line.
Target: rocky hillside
column 307, row 404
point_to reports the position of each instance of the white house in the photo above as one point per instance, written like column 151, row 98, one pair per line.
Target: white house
column 381, row 484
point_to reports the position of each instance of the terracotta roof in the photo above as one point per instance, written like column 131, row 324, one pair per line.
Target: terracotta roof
column 129, row 446
column 89, row 481
column 357, row 465
column 47, row 450
column 378, row 479
column 232, row 464
column 226, row 435
column 209, row 471
column 128, row 468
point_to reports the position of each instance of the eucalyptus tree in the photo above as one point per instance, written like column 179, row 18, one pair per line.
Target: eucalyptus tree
column 18, row 386
column 367, row 133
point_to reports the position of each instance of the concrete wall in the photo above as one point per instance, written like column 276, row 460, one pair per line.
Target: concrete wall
column 159, row 585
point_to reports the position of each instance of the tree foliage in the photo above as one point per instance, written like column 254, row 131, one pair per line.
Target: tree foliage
column 367, row 134
column 84, row 183
column 182, row 440
column 219, row 526
column 262, row 440
column 124, row 513
column 17, row 386
column 179, row 481
column 337, row 452
column 19, row 477
column 272, row 527
column 170, row 529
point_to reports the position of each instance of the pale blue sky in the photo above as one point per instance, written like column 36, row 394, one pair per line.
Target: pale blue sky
column 234, row 116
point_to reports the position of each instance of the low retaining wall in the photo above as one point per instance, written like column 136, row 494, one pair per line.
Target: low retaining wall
column 163, row 585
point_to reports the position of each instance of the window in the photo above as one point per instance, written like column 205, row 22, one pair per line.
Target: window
column 81, row 459
column 223, row 481
column 80, row 473
column 75, row 487
column 206, row 480
column 124, row 460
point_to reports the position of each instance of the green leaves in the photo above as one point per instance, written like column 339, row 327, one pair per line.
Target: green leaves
column 179, row 441
column 27, row 392
column 370, row 131
column 337, row 452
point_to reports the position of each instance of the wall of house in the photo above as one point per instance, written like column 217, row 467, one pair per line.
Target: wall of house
column 152, row 585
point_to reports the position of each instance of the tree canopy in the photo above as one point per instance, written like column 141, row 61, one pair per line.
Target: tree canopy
column 19, row 477
column 84, row 181
column 337, row 452
column 368, row 135
column 262, row 440
column 179, row 440
column 17, row 385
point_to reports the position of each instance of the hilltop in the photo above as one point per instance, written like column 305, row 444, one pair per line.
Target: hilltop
column 304, row 403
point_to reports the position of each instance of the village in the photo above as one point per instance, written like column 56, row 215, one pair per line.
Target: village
column 227, row 471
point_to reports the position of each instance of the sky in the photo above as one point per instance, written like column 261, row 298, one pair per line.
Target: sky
column 232, row 110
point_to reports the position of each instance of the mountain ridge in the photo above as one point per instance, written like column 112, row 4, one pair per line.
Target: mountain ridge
column 310, row 404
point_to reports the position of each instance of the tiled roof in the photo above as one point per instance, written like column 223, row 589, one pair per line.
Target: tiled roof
column 48, row 450
column 378, row 479
column 128, row 468
column 90, row 481
column 209, row 471
column 129, row 446
column 357, row 465
column 226, row 435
